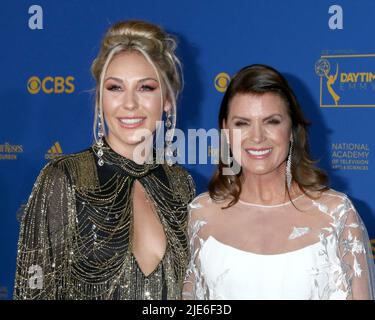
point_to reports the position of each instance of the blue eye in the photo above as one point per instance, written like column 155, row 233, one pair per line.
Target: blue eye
column 114, row 88
column 147, row 88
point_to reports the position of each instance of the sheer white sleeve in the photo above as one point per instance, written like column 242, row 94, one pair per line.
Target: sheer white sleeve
column 194, row 285
column 355, row 253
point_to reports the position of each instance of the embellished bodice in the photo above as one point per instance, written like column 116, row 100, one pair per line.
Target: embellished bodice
column 78, row 229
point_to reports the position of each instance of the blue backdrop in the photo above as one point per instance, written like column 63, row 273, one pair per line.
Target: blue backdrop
column 324, row 48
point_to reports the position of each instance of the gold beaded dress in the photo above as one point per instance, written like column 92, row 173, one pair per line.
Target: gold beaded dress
column 76, row 233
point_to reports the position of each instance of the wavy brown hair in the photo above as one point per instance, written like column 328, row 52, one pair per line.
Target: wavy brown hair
column 259, row 79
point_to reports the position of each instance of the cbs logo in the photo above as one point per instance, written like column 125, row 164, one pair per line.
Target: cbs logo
column 222, row 81
column 50, row 85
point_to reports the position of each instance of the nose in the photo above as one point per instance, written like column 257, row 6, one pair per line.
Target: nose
column 130, row 100
column 256, row 133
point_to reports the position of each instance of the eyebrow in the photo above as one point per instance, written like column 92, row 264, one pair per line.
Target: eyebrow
column 141, row 80
column 265, row 119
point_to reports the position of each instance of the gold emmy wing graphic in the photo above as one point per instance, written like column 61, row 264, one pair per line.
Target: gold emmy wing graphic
column 330, row 82
column 322, row 69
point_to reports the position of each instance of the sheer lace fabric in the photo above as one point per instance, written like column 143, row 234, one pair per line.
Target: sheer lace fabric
column 314, row 249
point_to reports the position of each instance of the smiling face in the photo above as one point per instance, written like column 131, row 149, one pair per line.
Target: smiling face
column 265, row 132
column 131, row 101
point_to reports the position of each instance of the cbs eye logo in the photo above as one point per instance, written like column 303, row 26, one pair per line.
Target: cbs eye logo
column 222, row 81
column 51, row 85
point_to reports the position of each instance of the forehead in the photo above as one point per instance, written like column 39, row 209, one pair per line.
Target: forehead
column 130, row 64
column 251, row 105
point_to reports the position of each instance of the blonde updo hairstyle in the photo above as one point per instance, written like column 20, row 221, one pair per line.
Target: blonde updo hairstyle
column 155, row 45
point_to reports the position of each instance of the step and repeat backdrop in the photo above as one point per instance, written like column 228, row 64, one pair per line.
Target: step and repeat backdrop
column 324, row 48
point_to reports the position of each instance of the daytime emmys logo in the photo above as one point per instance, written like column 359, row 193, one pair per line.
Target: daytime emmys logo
column 346, row 80
column 176, row 152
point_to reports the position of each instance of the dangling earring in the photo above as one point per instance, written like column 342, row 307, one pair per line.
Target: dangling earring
column 168, row 140
column 229, row 151
column 225, row 153
column 289, row 166
column 100, row 143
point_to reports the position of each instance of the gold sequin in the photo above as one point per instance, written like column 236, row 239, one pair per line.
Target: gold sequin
column 77, row 228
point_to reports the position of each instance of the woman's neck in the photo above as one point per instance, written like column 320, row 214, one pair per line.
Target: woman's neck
column 266, row 189
column 138, row 153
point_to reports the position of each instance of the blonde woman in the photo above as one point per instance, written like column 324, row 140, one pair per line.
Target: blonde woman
column 103, row 223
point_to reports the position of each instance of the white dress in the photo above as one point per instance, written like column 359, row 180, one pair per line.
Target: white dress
column 330, row 256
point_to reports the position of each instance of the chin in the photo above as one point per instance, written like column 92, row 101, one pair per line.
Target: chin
column 132, row 142
column 259, row 170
